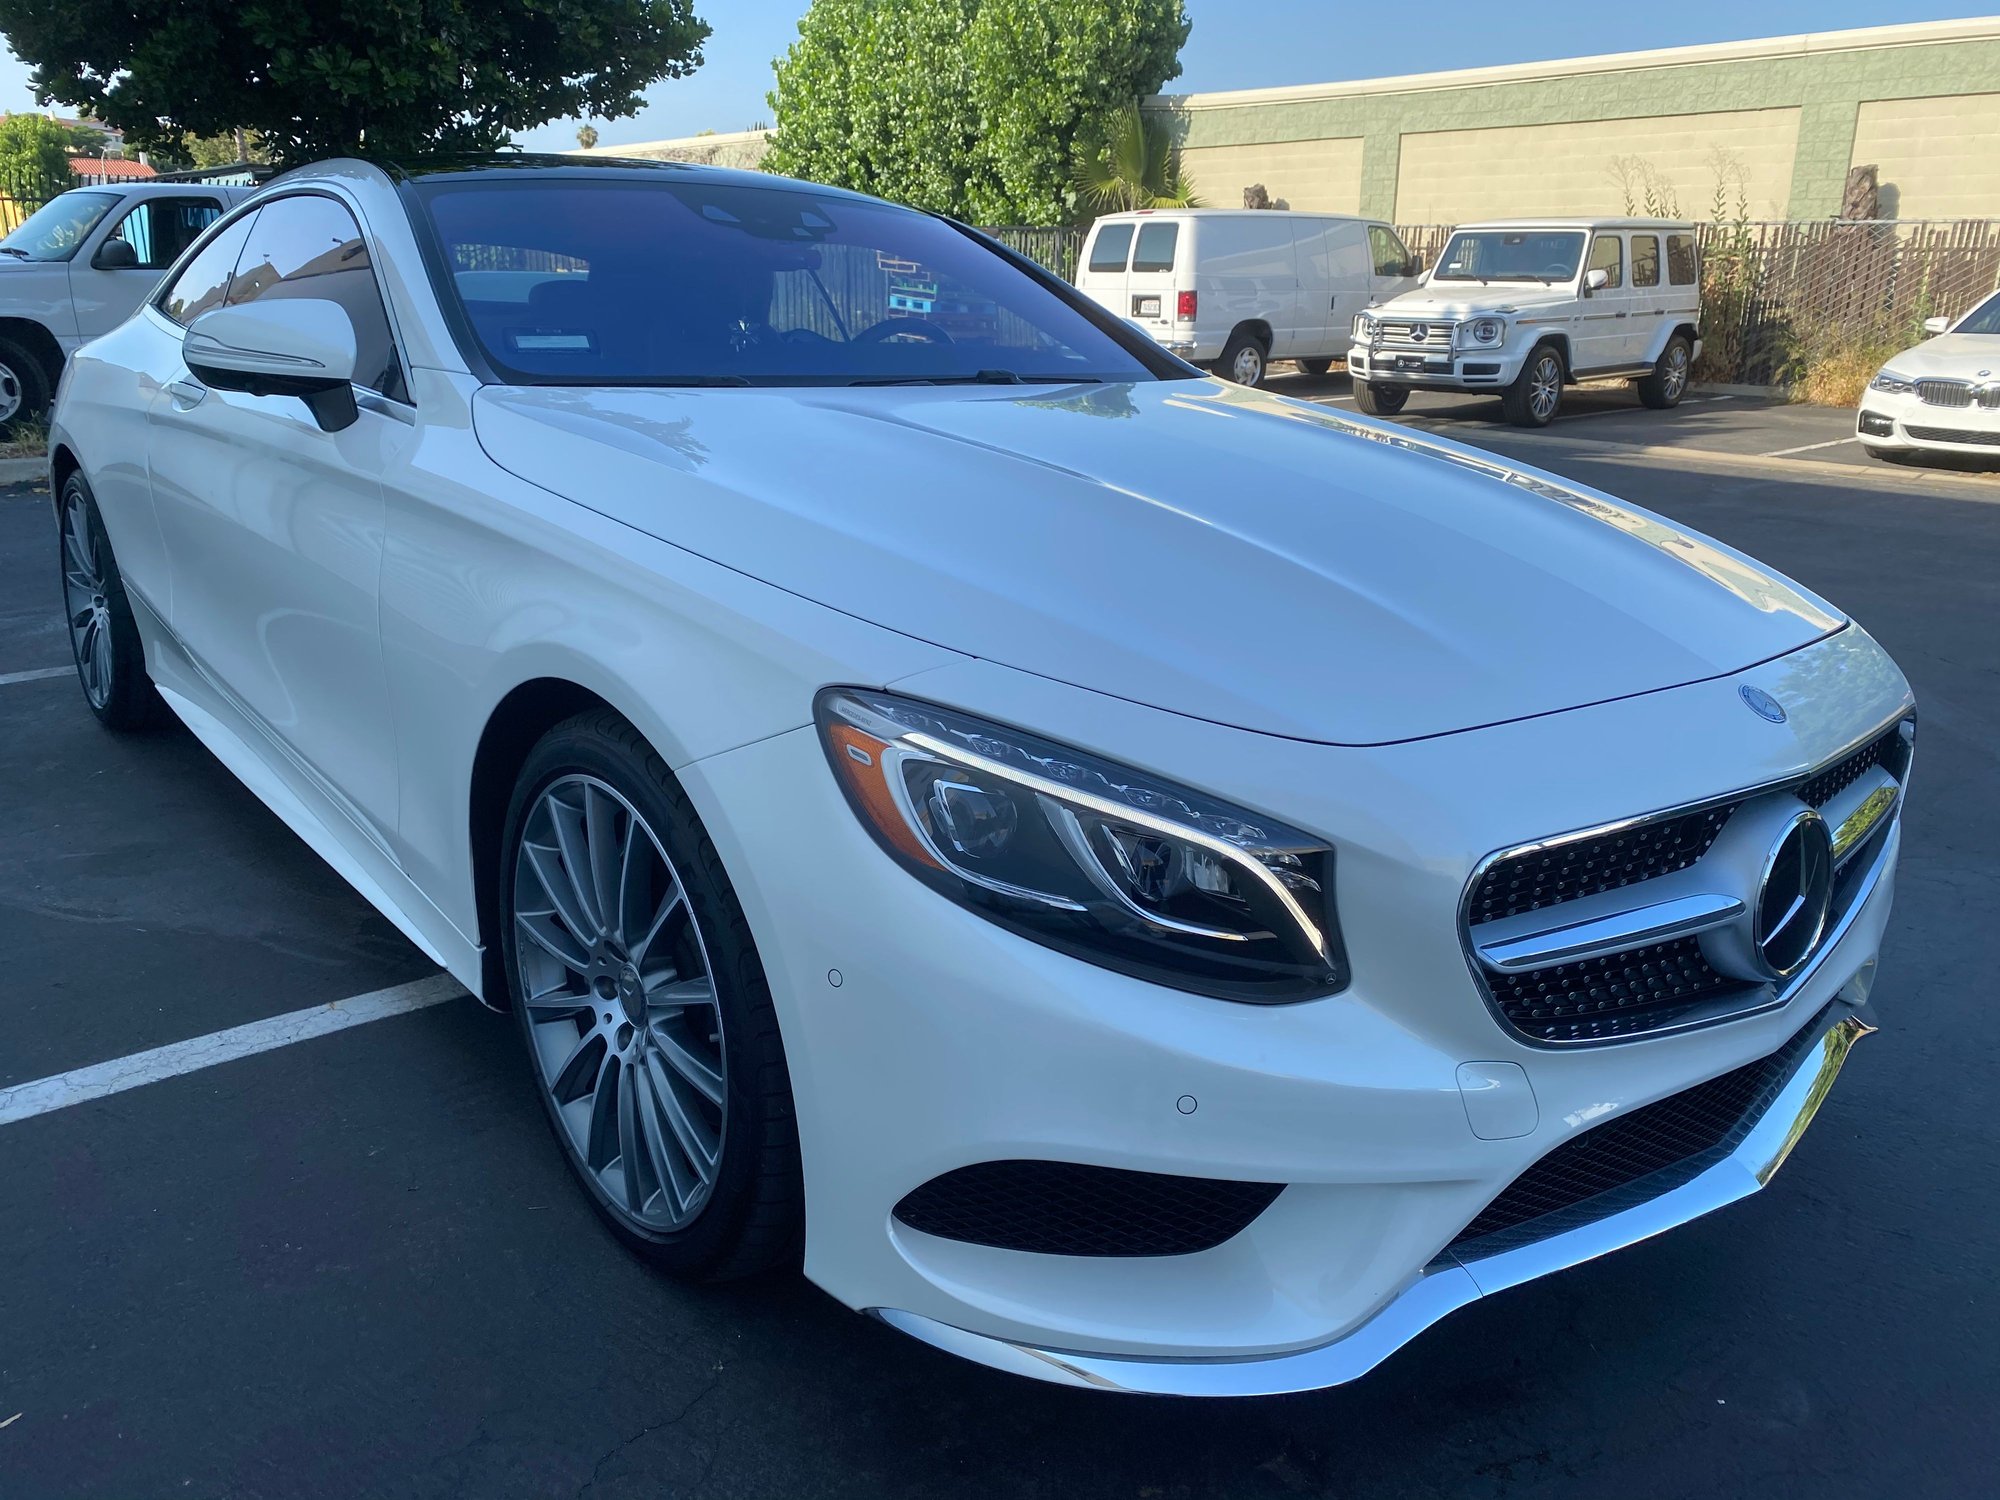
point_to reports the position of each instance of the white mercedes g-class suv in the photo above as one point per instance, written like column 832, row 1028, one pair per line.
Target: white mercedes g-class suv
column 1523, row 307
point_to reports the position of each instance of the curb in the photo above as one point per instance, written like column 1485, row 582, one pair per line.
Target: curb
column 1723, row 388
column 23, row 470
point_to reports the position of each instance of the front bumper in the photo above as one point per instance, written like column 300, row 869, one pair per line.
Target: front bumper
column 1437, row 370
column 923, row 1039
column 1904, row 422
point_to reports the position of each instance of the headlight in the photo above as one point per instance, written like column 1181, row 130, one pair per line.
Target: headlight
column 1891, row 382
column 1484, row 331
column 1364, row 328
column 1106, row 863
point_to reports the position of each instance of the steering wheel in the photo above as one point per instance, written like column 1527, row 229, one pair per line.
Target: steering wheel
column 1555, row 270
column 889, row 328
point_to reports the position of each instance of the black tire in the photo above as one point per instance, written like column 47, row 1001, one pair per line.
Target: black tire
column 128, row 701
column 1535, row 397
column 25, row 390
column 1378, row 398
column 753, row 1217
column 1244, row 360
column 1663, row 389
column 1315, row 366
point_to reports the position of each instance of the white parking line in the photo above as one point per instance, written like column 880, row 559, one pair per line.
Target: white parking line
column 1808, row 447
column 39, row 674
column 26, row 1100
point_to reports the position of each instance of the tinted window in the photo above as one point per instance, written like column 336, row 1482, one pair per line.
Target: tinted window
column 1108, row 250
column 159, row 229
column 1545, row 255
column 1681, row 268
column 1607, row 254
column 658, row 281
column 204, row 281
column 58, row 227
column 1983, row 319
column 311, row 247
column 1155, row 251
column 1645, row 260
column 1390, row 255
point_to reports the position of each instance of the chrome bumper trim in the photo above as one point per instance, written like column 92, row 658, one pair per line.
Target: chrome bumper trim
column 1446, row 1284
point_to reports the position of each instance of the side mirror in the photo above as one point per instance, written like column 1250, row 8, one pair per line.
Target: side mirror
column 1934, row 326
column 1414, row 266
column 116, row 255
column 286, row 346
column 1595, row 280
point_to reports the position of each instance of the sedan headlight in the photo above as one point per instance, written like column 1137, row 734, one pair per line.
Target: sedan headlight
column 1481, row 332
column 1891, row 382
column 1106, row 863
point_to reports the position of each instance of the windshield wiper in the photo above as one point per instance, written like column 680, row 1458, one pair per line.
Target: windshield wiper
column 981, row 377
column 10, row 250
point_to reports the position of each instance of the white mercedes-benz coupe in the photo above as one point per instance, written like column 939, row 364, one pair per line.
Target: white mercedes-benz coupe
column 1942, row 396
column 1133, row 880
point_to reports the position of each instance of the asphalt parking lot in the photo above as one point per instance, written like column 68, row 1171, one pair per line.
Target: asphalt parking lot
column 354, row 1266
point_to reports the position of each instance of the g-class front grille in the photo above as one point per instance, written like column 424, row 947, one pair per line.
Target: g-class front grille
column 1652, row 924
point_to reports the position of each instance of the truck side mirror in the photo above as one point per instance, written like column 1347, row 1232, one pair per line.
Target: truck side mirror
column 116, row 255
column 1595, row 280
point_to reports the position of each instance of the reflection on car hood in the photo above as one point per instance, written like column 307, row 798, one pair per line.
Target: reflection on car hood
column 1191, row 545
column 1955, row 356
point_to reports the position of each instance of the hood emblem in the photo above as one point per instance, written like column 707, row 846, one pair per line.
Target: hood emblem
column 1762, row 704
column 1984, row 373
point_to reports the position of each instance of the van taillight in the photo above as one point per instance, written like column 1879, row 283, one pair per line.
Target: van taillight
column 1184, row 307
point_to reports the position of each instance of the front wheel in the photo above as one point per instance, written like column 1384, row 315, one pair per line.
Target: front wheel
column 1536, row 394
column 651, row 1037
column 1380, row 399
column 1243, row 359
column 24, row 388
column 1669, row 381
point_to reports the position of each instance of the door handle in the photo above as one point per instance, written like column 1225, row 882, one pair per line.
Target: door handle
column 186, row 393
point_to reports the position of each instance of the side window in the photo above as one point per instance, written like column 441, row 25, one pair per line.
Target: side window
column 310, row 246
column 1108, row 250
column 204, row 281
column 159, row 229
column 1155, row 250
column 1681, row 268
column 1607, row 254
column 1387, row 250
column 1645, row 260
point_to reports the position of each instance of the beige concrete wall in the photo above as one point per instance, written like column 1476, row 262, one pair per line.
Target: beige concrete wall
column 1311, row 176
column 1941, row 157
column 1448, row 176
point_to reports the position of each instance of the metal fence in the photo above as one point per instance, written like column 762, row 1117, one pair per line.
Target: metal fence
column 21, row 194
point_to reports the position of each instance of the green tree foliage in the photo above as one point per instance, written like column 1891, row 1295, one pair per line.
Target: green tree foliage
column 969, row 107
column 384, row 78
column 1130, row 163
column 34, row 157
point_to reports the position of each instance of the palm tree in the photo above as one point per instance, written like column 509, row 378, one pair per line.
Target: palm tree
column 1132, row 164
column 586, row 136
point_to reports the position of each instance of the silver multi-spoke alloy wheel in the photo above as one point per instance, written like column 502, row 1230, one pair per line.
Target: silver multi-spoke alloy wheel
column 10, row 393
column 1675, row 375
column 620, row 1003
column 88, row 605
column 1545, row 378
column 1248, row 366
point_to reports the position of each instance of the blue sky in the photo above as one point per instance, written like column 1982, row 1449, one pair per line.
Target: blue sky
column 1248, row 44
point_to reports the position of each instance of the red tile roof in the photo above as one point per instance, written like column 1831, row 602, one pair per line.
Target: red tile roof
column 109, row 166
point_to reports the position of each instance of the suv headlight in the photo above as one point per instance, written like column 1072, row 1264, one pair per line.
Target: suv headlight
column 1109, row 864
column 1481, row 332
column 1891, row 382
column 1364, row 328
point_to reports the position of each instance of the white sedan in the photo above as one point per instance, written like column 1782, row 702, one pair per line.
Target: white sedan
column 1130, row 879
column 1943, row 396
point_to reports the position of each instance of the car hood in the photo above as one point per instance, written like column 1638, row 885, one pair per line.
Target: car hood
column 1475, row 300
column 1959, row 356
column 1191, row 545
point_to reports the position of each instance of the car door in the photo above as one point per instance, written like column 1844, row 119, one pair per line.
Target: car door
column 1604, row 318
column 1649, row 299
column 274, row 527
column 158, row 227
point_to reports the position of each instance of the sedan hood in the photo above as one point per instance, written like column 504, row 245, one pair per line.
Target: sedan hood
column 1956, row 356
column 1190, row 545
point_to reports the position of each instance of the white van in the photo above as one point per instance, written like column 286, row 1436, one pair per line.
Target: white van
column 1237, row 288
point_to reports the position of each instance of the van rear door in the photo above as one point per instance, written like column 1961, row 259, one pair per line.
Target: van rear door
column 1152, row 285
column 1104, row 269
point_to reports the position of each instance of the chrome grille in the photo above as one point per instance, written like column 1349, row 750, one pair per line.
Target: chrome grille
column 1640, row 927
column 1944, row 393
column 1413, row 333
column 1988, row 397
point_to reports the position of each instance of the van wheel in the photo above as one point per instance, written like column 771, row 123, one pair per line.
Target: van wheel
column 24, row 388
column 1536, row 394
column 1669, row 381
column 1243, row 359
column 1379, row 398
column 1315, row 366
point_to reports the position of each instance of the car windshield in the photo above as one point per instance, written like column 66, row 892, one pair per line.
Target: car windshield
column 1982, row 319
column 53, row 231
column 595, row 282
column 1546, row 255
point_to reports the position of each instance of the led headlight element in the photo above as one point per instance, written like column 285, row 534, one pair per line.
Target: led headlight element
column 1481, row 331
column 1101, row 861
column 1891, row 382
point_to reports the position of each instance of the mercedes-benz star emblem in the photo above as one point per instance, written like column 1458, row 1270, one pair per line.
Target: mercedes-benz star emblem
column 1419, row 332
column 1762, row 704
column 1793, row 899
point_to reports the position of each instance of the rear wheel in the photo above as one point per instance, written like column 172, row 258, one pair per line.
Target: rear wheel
column 104, row 640
column 1536, row 394
column 24, row 388
column 1243, row 358
column 1669, row 381
column 1315, row 366
column 651, row 1036
column 1380, row 399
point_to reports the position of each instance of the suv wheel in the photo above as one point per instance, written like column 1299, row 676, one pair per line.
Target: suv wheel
column 103, row 637
column 651, row 1037
column 24, row 388
column 1380, row 399
column 1315, row 366
column 1669, row 381
column 1536, row 394
column 1243, row 359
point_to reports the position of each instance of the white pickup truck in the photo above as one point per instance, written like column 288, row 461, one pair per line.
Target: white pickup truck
column 78, row 266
